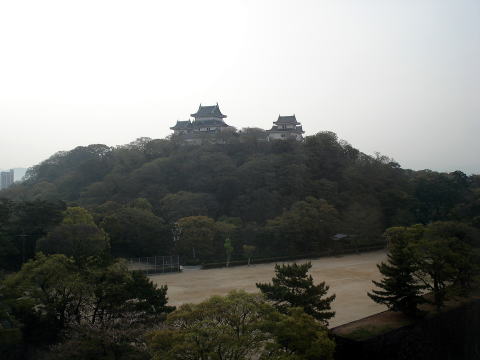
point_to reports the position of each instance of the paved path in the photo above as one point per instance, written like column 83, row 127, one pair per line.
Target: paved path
column 349, row 277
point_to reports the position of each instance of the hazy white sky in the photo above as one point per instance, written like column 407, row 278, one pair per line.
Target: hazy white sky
column 400, row 77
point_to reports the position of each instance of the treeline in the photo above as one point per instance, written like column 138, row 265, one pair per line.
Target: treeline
column 272, row 198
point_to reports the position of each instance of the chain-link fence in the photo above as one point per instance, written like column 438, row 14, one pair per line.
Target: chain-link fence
column 155, row 264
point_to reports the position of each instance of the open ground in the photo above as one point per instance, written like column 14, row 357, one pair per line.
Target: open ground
column 349, row 277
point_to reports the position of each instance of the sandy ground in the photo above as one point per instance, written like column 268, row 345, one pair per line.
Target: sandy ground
column 349, row 278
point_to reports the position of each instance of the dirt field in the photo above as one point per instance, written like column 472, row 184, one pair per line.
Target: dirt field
column 349, row 278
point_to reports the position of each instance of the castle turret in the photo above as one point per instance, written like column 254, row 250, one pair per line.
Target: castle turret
column 286, row 127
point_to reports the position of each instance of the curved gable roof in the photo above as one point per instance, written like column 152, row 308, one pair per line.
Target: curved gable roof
column 208, row 111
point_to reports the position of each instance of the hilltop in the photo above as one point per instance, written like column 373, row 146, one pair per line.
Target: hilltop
column 269, row 192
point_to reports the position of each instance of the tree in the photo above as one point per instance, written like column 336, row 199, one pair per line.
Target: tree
column 434, row 263
column 197, row 237
column 446, row 256
column 10, row 331
column 184, row 204
column 363, row 223
column 142, row 204
column 293, row 287
column 77, row 236
column 228, row 249
column 239, row 326
column 79, row 241
column 249, row 250
column 120, row 295
column 52, row 284
column 55, row 299
column 465, row 245
column 226, row 328
column 268, row 185
column 437, row 194
column 307, row 226
column 137, row 232
column 298, row 336
column 327, row 156
column 399, row 288
column 22, row 223
column 77, row 215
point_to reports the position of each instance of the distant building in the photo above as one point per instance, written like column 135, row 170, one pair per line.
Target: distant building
column 208, row 120
column 286, row 127
column 6, row 179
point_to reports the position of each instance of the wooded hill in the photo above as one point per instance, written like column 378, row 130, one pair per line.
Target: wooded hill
column 281, row 197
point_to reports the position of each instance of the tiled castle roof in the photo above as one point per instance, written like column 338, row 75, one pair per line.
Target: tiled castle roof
column 290, row 119
column 182, row 125
column 208, row 111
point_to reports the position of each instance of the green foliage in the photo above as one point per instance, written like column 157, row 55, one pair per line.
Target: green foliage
column 298, row 336
column 293, row 287
column 218, row 328
column 137, row 232
column 45, row 296
column 268, row 186
column 308, row 226
column 184, row 204
column 197, row 234
column 54, row 299
column 77, row 236
column 239, row 326
column 435, row 268
column 228, row 249
column 22, row 224
column 364, row 223
column 79, row 241
column 249, row 250
column 441, row 257
column 142, row 204
column 92, row 344
column 10, row 332
column 76, row 216
column 399, row 288
column 447, row 256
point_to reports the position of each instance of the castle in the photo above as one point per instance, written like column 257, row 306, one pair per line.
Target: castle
column 286, row 127
column 209, row 120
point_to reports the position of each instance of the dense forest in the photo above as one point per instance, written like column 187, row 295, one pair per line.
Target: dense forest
column 160, row 197
column 65, row 292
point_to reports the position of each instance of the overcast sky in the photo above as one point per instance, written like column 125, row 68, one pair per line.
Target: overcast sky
column 399, row 77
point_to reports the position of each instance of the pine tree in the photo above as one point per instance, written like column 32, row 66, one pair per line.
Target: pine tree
column 399, row 289
column 293, row 287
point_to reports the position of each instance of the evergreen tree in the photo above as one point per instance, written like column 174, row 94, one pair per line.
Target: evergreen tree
column 399, row 288
column 293, row 287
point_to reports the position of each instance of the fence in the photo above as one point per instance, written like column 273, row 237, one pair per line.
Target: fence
column 261, row 260
column 155, row 264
